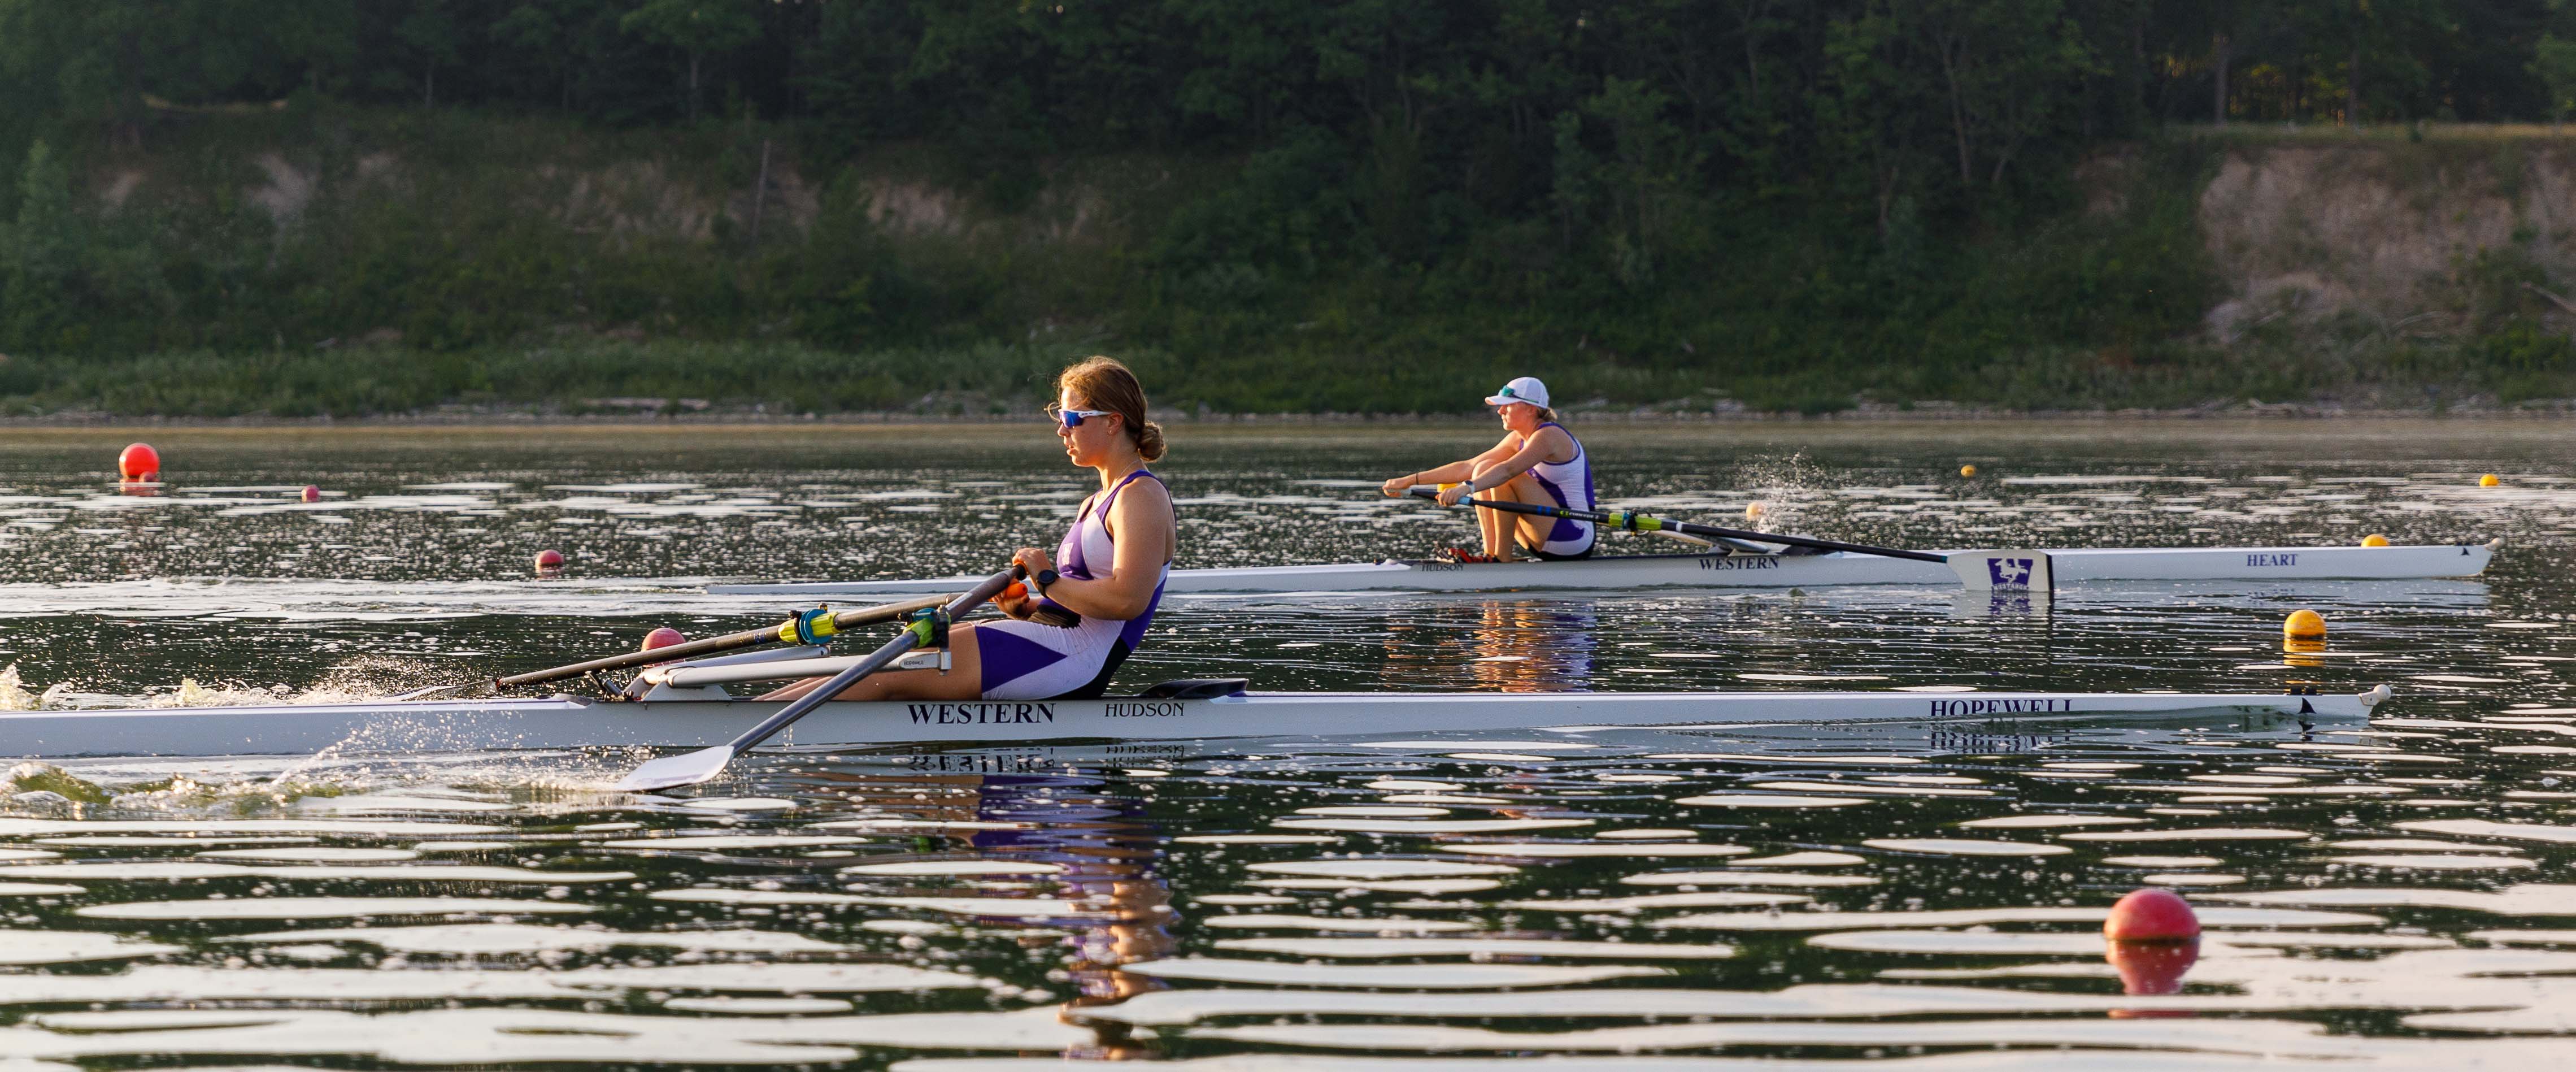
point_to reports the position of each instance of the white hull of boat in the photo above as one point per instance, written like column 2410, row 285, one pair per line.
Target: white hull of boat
column 430, row 726
column 2259, row 564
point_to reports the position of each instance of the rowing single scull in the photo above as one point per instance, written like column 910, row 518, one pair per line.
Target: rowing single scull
column 1178, row 711
column 1716, row 569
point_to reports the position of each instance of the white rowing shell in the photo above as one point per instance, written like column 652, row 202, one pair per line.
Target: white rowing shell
column 1755, row 571
column 422, row 726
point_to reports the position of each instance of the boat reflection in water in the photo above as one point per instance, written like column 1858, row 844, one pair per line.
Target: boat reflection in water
column 1502, row 645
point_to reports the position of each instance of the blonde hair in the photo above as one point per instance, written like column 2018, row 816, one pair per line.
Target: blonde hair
column 1103, row 383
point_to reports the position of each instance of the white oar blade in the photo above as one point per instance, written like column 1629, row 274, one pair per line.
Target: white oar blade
column 670, row 772
column 2007, row 571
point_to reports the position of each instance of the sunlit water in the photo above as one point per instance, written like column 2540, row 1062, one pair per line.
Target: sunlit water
column 2393, row 893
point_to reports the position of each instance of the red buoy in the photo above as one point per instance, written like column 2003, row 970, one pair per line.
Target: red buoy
column 2148, row 968
column 550, row 561
column 2151, row 915
column 139, row 462
column 662, row 638
column 312, row 493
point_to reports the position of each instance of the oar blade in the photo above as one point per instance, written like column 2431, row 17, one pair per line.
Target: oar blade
column 672, row 772
column 2004, row 571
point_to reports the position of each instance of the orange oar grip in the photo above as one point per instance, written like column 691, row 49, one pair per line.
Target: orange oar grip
column 1020, row 589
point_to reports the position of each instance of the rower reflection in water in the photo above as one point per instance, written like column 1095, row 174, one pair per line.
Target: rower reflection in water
column 1097, row 842
column 1066, row 640
column 1537, row 462
column 1504, row 646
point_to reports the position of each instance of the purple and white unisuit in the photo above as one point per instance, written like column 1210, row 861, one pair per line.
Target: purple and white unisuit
column 1026, row 660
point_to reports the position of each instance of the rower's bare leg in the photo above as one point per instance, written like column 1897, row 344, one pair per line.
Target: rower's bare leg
column 1505, row 533
column 1494, row 525
column 963, row 680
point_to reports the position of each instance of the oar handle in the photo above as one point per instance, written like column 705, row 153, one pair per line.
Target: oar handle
column 1020, row 589
column 1624, row 519
column 876, row 660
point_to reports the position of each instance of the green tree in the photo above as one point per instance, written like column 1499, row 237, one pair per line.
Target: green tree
column 71, row 282
column 2010, row 70
column 695, row 27
column 2555, row 65
column 434, row 39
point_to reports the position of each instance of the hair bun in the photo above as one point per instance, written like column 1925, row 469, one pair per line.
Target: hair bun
column 1149, row 441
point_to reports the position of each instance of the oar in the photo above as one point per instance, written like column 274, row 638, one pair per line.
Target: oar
column 705, row 763
column 812, row 627
column 1978, row 570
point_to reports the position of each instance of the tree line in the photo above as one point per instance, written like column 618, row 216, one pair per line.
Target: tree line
column 1614, row 174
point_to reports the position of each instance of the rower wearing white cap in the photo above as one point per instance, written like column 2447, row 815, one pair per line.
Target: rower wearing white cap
column 1537, row 462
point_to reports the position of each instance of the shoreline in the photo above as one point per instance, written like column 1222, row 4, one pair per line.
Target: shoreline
column 2555, row 410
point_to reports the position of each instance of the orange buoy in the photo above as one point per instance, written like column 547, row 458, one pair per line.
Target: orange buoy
column 139, row 461
column 1754, row 510
column 1967, row 470
column 312, row 493
column 2374, row 540
column 2149, row 914
column 662, row 638
column 2488, row 481
column 550, row 561
column 2304, row 624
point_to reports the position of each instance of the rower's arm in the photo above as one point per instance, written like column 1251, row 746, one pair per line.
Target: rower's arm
column 1141, row 522
column 1452, row 473
column 1519, row 461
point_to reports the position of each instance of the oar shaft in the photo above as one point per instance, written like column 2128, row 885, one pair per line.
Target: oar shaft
column 1642, row 522
column 876, row 660
column 749, row 638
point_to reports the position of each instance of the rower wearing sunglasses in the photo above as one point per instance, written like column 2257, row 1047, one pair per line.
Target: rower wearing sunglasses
column 1537, row 462
column 1067, row 639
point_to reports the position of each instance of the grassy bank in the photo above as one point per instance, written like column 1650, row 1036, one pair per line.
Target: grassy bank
column 682, row 378
column 349, row 263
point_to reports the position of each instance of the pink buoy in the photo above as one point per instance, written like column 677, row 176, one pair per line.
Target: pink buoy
column 662, row 638
column 550, row 561
column 2151, row 915
column 139, row 462
column 312, row 493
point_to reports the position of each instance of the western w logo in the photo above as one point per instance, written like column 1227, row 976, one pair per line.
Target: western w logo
column 2009, row 572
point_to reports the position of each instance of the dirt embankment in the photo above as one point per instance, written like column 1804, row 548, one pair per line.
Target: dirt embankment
column 621, row 195
column 2392, row 236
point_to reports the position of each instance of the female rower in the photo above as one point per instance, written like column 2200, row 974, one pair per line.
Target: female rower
column 1111, row 567
column 1538, row 462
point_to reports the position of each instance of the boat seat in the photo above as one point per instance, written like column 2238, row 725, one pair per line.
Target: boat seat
column 1196, row 688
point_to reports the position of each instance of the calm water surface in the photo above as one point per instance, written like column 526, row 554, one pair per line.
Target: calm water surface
column 2392, row 894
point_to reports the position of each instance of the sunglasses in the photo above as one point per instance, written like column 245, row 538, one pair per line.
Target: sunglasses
column 1073, row 418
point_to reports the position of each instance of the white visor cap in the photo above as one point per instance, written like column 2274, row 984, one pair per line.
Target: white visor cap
column 1521, row 389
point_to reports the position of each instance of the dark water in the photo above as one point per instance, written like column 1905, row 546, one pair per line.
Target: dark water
column 2390, row 894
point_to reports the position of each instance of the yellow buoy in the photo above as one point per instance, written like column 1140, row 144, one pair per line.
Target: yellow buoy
column 2488, row 481
column 2374, row 540
column 1967, row 470
column 1754, row 510
column 2304, row 625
